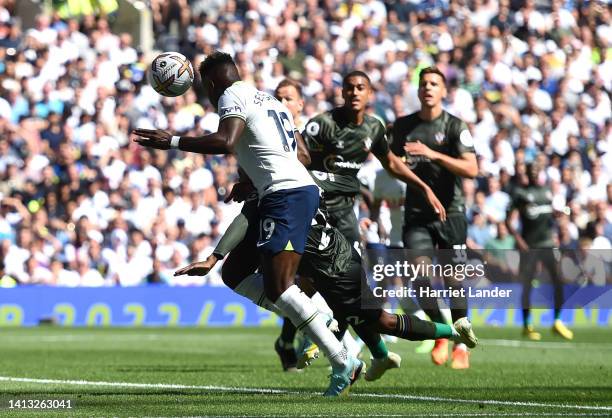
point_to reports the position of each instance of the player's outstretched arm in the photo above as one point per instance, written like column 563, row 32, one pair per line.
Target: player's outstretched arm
column 223, row 141
column 399, row 170
column 464, row 166
column 233, row 236
column 199, row 268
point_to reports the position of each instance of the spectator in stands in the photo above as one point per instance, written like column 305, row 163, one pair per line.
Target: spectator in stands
column 532, row 79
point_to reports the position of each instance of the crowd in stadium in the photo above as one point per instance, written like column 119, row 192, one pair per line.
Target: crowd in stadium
column 81, row 204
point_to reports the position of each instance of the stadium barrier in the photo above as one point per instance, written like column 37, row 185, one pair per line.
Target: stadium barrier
column 158, row 305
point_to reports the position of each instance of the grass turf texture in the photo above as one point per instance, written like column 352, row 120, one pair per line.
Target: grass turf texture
column 578, row 373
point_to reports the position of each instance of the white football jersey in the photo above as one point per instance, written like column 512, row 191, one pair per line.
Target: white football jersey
column 392, row 191
column 267, row 149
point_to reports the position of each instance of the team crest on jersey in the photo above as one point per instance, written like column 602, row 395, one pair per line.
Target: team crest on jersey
column 439, row 137
column 340, row 144
column 367, row 143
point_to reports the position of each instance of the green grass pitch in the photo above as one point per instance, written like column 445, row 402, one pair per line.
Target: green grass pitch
column 213, row 371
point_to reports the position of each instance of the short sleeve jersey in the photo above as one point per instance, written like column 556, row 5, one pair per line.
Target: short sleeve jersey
column 339, row 147
column 534, row 204
column 267, row 149
column 446, row 134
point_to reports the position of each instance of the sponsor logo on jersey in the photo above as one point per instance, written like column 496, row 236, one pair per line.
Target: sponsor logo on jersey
column 413, row 160
column 227, row 110
column 533, row 211
column 334, row 163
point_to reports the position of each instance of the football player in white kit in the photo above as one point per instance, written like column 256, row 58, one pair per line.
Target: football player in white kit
column 259, row 130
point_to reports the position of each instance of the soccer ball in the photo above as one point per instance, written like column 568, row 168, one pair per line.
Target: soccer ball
column 171, row 74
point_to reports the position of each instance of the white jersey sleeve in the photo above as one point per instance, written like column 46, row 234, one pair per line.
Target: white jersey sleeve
column 232, row 105
column 267, row 148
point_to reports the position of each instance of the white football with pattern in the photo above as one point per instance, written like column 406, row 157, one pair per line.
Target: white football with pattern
column 171, row 74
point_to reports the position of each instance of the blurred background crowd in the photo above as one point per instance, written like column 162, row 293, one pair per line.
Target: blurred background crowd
column 83, row 205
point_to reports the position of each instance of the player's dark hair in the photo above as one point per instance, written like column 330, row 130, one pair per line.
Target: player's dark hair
column 214, row 60
column 289, row 82
column 432, row 70
column 356, row 73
